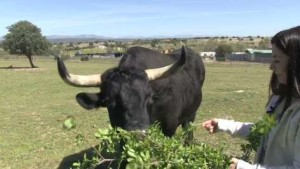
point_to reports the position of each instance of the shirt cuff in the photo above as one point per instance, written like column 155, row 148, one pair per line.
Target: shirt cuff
column 243, row 165
column 224, row 125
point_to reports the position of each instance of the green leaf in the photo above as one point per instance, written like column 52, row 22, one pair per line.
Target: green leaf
column 131, row 153
column 69, row 123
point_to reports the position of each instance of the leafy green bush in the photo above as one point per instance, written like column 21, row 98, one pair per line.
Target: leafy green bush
column 154, row 150
column 65, row 57
column 84, row 58
column 258, row 131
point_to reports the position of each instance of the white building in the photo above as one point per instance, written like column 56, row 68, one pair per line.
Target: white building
column 101, row 47
column 208, row 55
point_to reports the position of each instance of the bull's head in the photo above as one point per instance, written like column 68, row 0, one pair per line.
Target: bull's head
column 126, row 93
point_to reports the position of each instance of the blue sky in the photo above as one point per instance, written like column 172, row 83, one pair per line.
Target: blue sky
column 148, row 18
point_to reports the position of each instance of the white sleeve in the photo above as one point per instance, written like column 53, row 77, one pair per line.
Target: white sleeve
column 244, row 165
column 234, row 128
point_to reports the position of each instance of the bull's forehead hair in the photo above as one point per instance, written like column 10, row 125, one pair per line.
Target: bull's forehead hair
column 127, row 74
column 118, row 78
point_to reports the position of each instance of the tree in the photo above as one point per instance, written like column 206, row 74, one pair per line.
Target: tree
column 106, row 44
column 210, row 45
column 24, row 38
column 91, row 44
column 56, row 49
column 239, row 47
column 153, row 43
column 263, row 44
column 71, row 44
column 222, row 50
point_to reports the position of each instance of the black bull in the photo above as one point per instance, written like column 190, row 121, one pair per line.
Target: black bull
column 137, row 93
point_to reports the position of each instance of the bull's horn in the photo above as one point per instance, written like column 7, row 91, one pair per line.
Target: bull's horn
column 165, row 71
column 77, row 80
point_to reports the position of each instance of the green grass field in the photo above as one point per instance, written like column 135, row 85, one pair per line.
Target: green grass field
column 35, row 102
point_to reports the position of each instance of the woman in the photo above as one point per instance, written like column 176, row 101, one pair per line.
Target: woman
column 280, row 149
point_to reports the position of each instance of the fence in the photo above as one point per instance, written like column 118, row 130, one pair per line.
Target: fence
column 256, row 57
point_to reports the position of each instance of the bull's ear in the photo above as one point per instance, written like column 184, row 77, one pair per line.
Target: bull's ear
column 88, row 100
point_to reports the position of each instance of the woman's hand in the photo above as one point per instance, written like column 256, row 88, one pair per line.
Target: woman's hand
column 211, row 125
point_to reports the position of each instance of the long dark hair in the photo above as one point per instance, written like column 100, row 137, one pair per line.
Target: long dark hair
column 288, row 41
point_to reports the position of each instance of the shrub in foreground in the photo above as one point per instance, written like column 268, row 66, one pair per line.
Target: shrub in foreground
column 153, row 150
column 259, row 130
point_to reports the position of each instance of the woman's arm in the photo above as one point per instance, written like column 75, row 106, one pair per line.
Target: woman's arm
column 234, row 128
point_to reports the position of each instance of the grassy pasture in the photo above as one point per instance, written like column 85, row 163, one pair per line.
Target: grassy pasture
column 35, row 102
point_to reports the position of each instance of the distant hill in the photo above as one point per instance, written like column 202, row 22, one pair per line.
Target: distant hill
column 89, row 38
column 75, row 38
column 92, row 38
